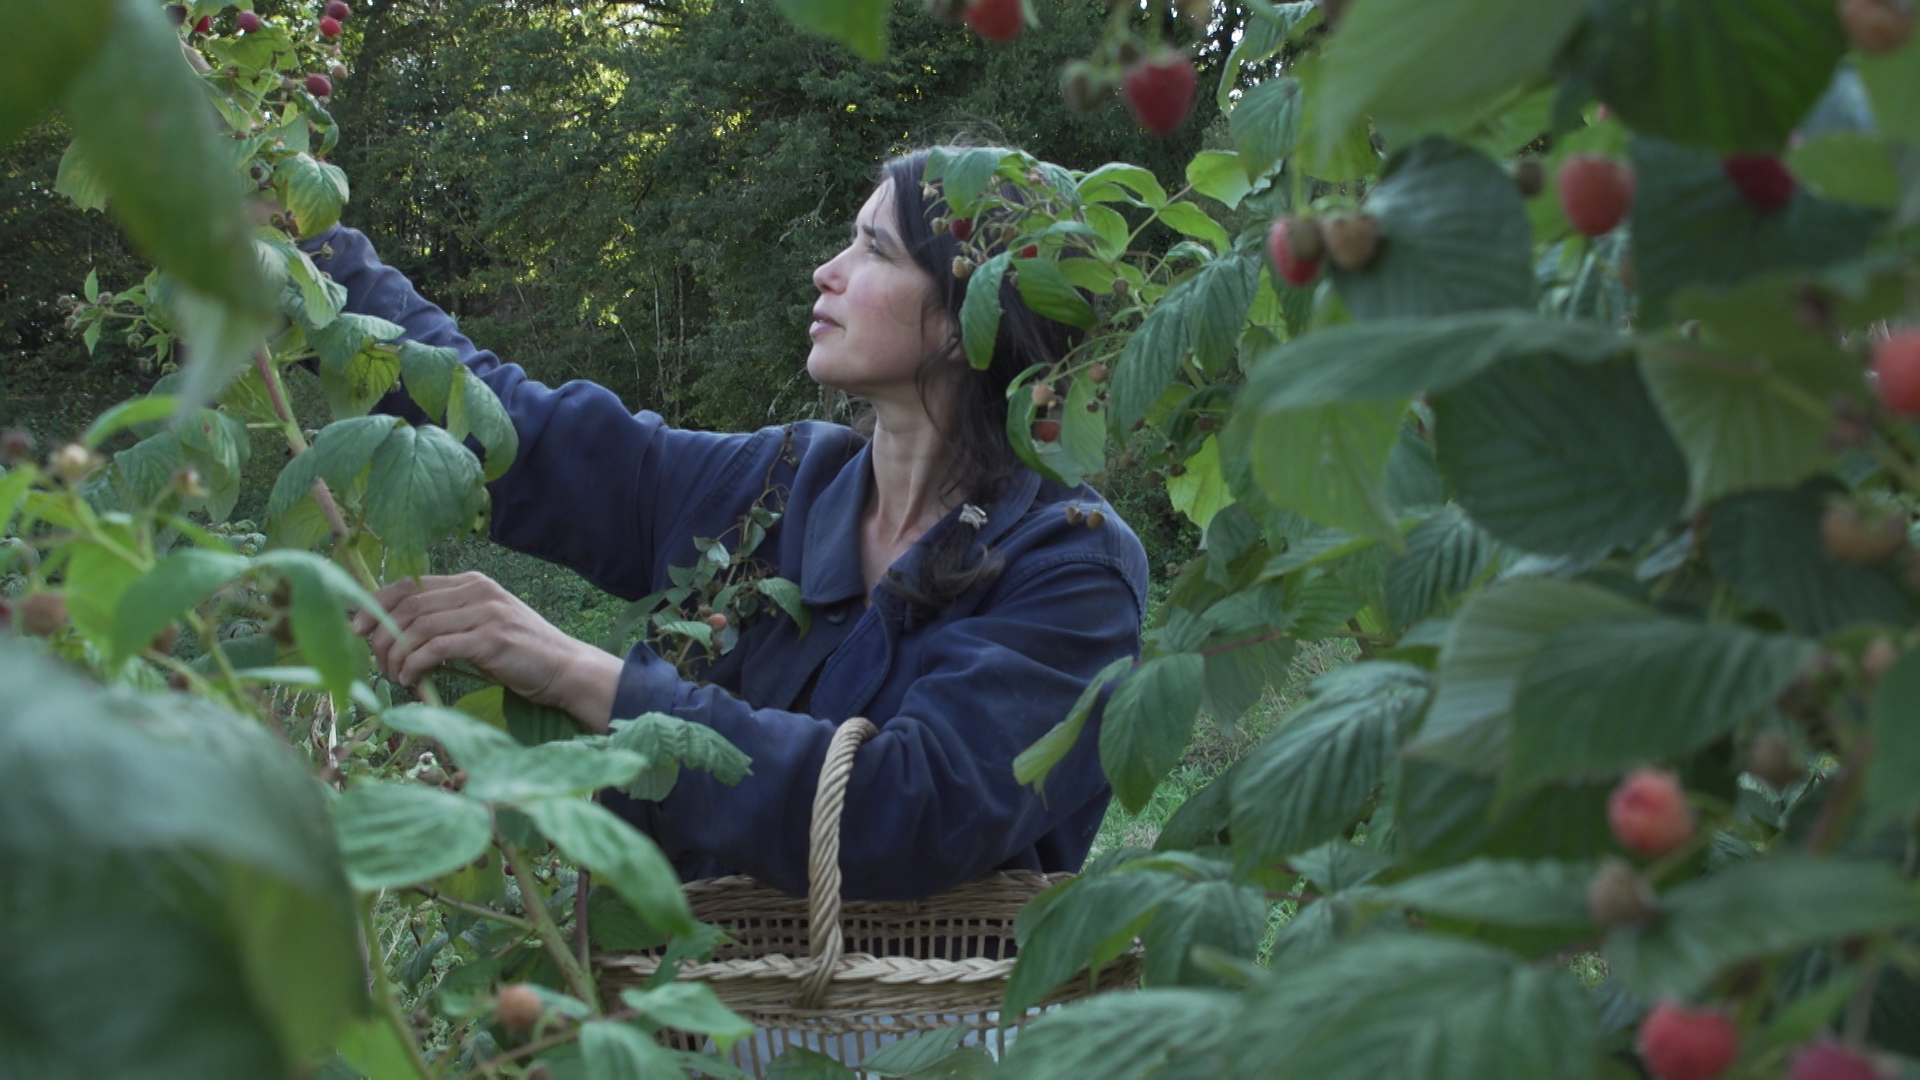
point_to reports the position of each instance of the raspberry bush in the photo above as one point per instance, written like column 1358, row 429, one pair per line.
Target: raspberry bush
column 1561, row 464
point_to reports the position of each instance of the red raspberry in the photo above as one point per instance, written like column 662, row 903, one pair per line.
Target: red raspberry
column 1877, row 27
column 1828, row 1060
column 246, row 22
column 1649, row 813
column 961, row 228
column 1679, row 1043
column 1293, row 269
column 1595, row 192
column 1046, row 430
column 997, row 20
column 517, row 1008
column 1896, row 372
column 319, row 85
column 338, row 10
column 1762, row 179
column 1160, row 91
column 329, row 27
column 1031, row 251
column 205, row 25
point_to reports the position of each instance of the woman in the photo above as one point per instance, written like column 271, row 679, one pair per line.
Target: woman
column 954, row 601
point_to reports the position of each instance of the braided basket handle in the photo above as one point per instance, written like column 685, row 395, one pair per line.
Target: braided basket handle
column 823, row 858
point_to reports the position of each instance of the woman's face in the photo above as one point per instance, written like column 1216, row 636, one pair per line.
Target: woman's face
column 874, row 322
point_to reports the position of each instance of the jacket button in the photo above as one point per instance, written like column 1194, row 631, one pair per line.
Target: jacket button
column 837, row 616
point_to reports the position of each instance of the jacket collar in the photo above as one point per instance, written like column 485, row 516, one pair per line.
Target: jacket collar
column 830, row 572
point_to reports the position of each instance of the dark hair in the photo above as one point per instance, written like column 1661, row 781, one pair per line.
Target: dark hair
column 980, row 457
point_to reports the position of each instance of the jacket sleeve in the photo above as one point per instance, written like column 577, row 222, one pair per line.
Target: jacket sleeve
column 932, row 802
column 595, row 487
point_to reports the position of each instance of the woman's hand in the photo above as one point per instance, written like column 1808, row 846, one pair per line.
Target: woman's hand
column 469, row 617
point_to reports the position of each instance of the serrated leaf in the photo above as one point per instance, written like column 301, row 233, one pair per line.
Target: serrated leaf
column 1763, row 907
column 1328, row 463
column 1047, row 291
column 1190, row 220
column 668, row 743
column 1558, row 458
column 1748, row 69
column 980, row 311
column 469, row 741
column 395, row 834
column 618, row 1051
column 1219, row 175
column 1891, row 791
column 313, row 190
column 787, row 594
column 1454, row 237
column 1602, row 697
column 1306, row 782
column 548, row 771
column 690, row 1007
column 1766, row 546
column 1407, row 1006
column 1445, row 555
column 343, row 339
column 423, row 487
column 141, row 119
column 1057, row 937
column 1147, row 723
column 78, row 182
column 1036, row 761
column 619, row 855
column 174, row 586
column 1490, row 643
column 1265, row 123
column 1498, row 892
column 1739, row 426
column 1120, row 182
column 1408, row 60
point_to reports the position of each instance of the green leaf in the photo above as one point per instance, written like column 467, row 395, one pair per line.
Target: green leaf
column 800, row 1063
column 618, row 1051
column 424, row 486
column 1047, row 291
column 396, row 834
column 1762, row 907
column 1407, row 1006
column 45, row 45
column 1149, row 360
column 1498, row 892
column 1061, row 928
column 141, row 118
column 1599, row 698
column 668, row 743
column 1190, row 220
column 691, row 1007
column 174, row 586
column 313, row 190
column 339, row 454
column 1848, row 167
column 1491, row 642
column 1454, row 237
column 1392, row 359
column 1216, row 306
column 1227, row 917
column 1328, row 463
column 1147, row 723
column 1128, row 1036
column 1445, row 555
column 1766, row 546
column 97, row 576
column 1558, row 458
column 619, row 855
column 532, row 724
column 980, row 311
column 1445, row 815
column 1748, row 69
column 1891, row 792
column 1120, row 182
column 1407, row 60
column 1265, row 124
column 346, row 337
column 144, row 410
column 550, row 770
column 1238, row 675
column 787, row 594
column 375, row 1050
column 219, row 340
column 321, row 628
column 469, row 741
column 1202, row 491
column 1036, row 761
column 149, row 806
column 1741, row 427
column 1218, row 175
column 77, row 181
column 1308, row 781
column 475, row 409
column 353, row 390
column 1691, row 226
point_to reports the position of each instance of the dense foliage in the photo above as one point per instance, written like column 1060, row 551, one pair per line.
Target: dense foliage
column 1562, row 411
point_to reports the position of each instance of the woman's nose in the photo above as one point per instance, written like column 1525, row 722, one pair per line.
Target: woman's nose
column 826, row 276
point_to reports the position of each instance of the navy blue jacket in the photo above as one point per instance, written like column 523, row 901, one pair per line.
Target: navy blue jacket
column 620, row 496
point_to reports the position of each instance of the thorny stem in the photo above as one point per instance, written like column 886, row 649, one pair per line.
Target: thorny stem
column 383, row 991
column 551, row 936
column 583, row 880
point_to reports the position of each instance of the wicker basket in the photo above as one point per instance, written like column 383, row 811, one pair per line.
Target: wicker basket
column 844, row 978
